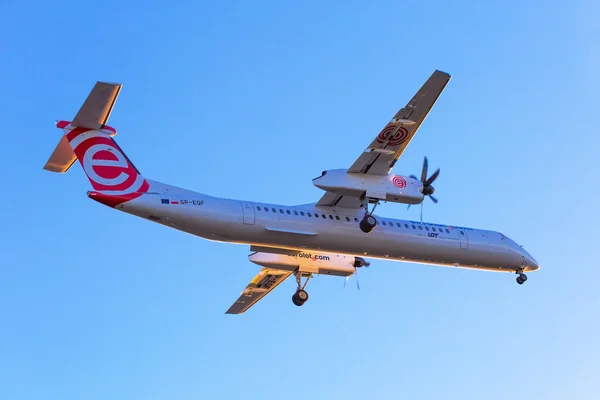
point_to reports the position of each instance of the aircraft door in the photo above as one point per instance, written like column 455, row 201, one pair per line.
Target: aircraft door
column 464, row 240
column 248, row 211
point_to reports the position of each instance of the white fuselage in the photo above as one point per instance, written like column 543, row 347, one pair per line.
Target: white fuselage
column 327, row 229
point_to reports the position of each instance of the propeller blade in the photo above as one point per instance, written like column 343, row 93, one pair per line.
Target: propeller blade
column 346, row 281
column 424, row 171
column 433, row 199
column 414, row 177
column 356, row 273
column 408, row 206
column 421, row 212
column 432, row 178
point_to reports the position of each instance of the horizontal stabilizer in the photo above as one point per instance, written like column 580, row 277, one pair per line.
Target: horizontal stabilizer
column 62, row 158
column 94, row 113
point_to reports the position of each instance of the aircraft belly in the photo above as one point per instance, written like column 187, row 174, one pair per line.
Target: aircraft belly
column 380, row 243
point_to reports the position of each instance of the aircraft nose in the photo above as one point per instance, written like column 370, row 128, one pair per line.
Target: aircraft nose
column 532, row 264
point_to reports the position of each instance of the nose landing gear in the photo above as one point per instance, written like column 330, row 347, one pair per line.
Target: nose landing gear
column 301, row 296
column 521, row 278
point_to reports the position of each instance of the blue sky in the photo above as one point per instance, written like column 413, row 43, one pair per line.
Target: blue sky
column 252, row 100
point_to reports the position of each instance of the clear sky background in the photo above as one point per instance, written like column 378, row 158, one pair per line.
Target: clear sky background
column 252, row 100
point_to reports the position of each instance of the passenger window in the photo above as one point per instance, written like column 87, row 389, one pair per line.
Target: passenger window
column 420, row 228
column 433, row 229
column 295, row 212
column 302, row 213
column 337, row 217
column 324, row 216
column 427, row 228
column 258, row 208
column 348, row 219
column 288, row 211
column 414, row 227
column 383, row 222
column 281, row 211
column 316, row 215
column 355, row 219
column 406, row 226
column 266, row 209
column 399, row 224
column 447, row 231
column 309, row 214
column 274, row 210
column 330, row 216
column 462, row 233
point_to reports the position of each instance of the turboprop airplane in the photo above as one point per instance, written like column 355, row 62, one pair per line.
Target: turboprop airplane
column 329, row 237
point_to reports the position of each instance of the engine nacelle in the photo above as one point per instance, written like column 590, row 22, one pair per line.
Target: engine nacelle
column 394, row 188
column 316, row 263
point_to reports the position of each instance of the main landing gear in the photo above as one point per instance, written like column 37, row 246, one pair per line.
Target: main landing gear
column 301, row 296
column 521, row 278
column 369, row 222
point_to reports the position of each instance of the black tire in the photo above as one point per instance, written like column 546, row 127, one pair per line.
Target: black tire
column 520, row 281
column 302, row 295
column 296, row 300
column 367, row 224
column 523, row 277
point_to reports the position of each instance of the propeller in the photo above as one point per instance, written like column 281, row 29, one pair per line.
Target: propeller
column 359, row 262
column 427, row 190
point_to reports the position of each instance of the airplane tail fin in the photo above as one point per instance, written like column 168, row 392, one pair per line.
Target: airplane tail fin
column 90, row 141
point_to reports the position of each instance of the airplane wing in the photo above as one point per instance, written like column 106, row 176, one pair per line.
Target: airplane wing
column 387, row 147
column 266, row 280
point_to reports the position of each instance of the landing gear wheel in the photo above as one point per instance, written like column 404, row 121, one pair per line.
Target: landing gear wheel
column 520, row 281
column 300, row 297
column 368, row 223
column 296, row 300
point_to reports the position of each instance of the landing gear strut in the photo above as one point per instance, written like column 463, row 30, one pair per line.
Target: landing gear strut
column 369, row 222
column 521, row 278
column 301, row 296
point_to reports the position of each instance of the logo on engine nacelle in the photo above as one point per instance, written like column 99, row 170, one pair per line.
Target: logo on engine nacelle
column 399, row 182
column 309, row 255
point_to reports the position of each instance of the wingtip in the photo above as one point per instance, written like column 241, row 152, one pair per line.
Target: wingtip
column 116, row 84
column 443, row 72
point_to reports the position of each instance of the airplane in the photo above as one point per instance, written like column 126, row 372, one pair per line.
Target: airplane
column 332, row 236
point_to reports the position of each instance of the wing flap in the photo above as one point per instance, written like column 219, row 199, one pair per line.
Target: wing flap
column 265, row 281
column 332, row 199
